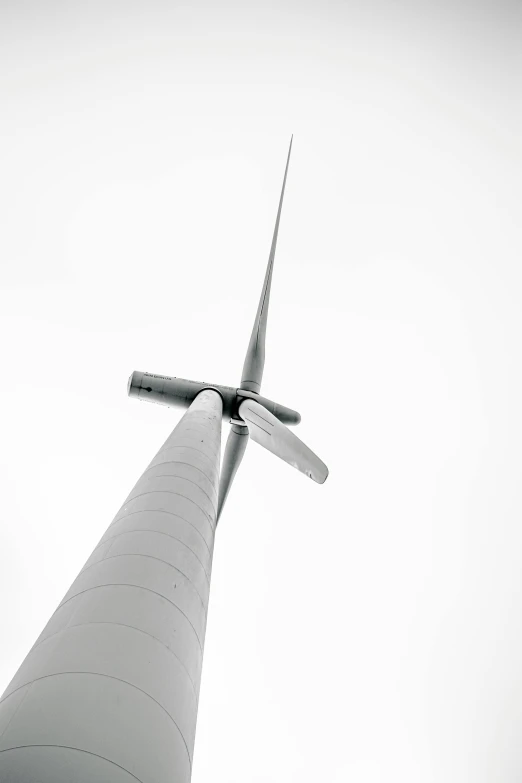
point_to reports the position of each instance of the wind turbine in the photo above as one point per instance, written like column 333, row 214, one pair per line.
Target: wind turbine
column 109, row 691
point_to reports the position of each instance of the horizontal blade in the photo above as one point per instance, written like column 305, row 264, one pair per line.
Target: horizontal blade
column 269, row 432
column 234, row 450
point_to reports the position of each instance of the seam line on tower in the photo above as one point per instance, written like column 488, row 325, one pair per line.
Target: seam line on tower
column 161, row 511
column 170, row 492
column 110, row 677
column 185, row 447
column 157, row 532
column 180, row 462
column 191, row 439
column 137, row 587
column 78, row 750
column 14, row 713
column 181, row 478
column 122, row 625
column 150, row 557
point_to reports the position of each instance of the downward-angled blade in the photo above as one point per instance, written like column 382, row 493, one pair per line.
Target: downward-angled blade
column 269, row 432
column 234, row 450
column 255, row 356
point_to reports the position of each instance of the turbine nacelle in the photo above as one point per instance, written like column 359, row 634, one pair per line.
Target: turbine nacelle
column 180, row 393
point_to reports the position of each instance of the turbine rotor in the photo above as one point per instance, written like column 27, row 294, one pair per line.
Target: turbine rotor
column 250, row 414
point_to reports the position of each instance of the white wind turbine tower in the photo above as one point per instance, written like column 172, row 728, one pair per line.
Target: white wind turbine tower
column 109, row 691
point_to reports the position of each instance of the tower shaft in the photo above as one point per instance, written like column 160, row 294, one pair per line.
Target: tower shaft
column 110, row 689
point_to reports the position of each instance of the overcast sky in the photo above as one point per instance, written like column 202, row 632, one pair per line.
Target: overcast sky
column 364, row 631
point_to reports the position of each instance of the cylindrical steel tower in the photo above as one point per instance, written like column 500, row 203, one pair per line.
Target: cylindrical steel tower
column 109, row 692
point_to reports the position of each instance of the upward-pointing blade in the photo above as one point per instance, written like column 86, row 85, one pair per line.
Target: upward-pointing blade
column 271, row 433
column 255, row 356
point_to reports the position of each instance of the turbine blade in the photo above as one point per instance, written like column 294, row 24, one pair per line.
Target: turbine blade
column 255, row 356
column 269, row 432
column 234, row 450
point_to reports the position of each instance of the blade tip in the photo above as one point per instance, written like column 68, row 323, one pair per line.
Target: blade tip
column 327, row 473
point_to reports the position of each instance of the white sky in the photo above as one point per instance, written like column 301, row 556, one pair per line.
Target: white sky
column 371, row 629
